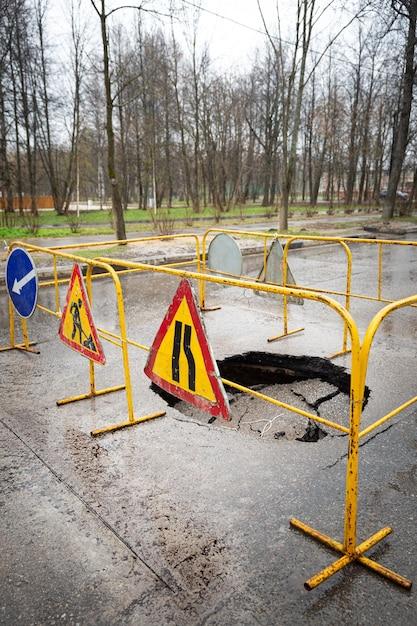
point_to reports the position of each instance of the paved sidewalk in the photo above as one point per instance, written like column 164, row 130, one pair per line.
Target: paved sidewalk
column 175, row 250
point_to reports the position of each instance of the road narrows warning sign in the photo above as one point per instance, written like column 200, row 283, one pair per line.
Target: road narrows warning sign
column 77, row 329
column 181, row 361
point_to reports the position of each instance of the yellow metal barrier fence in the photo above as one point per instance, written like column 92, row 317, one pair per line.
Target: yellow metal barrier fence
column 365, row 351
column 344, row 242
column 350, row 550
column 290, row 239
column 124, row 242
column 318, row 239
column 120, row 340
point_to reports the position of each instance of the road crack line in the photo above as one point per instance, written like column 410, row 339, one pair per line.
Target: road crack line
column 89, row 508
column 361, row 445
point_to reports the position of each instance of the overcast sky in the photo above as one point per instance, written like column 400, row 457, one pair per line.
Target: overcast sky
column 231, row 45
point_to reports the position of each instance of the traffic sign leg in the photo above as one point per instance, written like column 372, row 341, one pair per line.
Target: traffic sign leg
column 25, row 345
column 93, row 391
column 90, row 394
column 22, row 347
column 125, row 424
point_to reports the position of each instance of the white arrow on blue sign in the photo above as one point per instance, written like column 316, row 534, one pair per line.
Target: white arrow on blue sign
column 22, row 281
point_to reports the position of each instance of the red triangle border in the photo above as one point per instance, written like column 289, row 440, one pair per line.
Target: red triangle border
column 221, row 407
column 98, row 357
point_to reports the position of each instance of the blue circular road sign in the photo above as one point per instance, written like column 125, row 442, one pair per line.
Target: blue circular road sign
column 22, row 281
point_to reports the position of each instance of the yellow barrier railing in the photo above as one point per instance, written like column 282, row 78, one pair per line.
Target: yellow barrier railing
column 348, row 253
column 122, row 341
column 125, row 242
column 318, row 239
column 344, row 242
column 349, row 549
column 366, row 347
column 200, row 261
column 290, row 239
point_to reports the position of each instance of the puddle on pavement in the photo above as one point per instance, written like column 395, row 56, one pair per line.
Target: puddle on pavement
column 313, row 384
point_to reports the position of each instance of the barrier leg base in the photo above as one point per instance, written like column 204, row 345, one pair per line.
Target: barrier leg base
column 340, row 353
column 290, row 332
column 22, row 347
column 138, row 420
column 207, row 309
column 347, row 558
column 90, row 394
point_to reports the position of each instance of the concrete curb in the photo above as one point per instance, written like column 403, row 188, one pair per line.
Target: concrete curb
column 46, row 272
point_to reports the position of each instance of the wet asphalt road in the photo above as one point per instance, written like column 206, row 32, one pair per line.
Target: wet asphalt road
column 175, row 522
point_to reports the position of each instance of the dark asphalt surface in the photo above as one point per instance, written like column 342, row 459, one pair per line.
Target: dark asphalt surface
column 174, row 522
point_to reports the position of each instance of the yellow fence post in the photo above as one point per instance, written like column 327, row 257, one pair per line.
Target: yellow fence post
column 284, row 262
column 11, row 324
column 132, row 420
column 26, row 344
column 56, row 286
column 380, row 251
column 349, row 548
column 93, row 391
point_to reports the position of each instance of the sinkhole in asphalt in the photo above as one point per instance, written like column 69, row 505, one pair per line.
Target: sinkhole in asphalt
column 314, row 384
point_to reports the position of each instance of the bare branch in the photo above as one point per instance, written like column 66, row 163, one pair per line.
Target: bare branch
column 266, row 28
column 333, row 39
column 95, row 8
column 137, row 8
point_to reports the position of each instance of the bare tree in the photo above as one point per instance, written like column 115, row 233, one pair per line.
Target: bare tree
column 24, row 56
column 59, row 164
column 7, row 31
column 292, row 89
column 104, row 14
column 111, row 161
column 353, row 152
column 408, row 10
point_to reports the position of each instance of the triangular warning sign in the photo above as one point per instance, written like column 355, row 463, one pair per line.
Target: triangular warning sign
column 77, row 329
column 181, row 361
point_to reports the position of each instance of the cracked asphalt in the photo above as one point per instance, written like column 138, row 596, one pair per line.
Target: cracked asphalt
column 177, row 521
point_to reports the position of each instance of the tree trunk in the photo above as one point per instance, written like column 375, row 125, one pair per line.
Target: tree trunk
column 353, row 152
column 111, row 165
column 401, row 136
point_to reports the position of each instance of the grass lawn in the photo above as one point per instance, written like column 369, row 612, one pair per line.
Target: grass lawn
column 99, row 222
column 96, row 252
column 50, row 218
column 22, row 233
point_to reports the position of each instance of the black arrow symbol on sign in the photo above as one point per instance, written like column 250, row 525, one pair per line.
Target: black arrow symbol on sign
column 176, row 349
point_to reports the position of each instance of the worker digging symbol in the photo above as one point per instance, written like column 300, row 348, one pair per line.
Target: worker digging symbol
column 76, row 321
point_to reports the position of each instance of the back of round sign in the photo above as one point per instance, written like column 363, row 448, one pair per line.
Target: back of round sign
column 224, row 255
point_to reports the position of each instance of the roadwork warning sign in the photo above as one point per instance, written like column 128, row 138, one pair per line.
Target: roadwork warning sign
column 77, row 329
column 181, row 361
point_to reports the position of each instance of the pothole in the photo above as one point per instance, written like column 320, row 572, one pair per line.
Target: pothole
column 311, row 383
